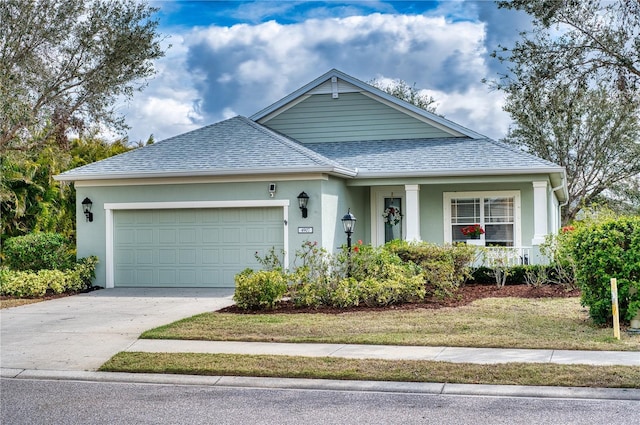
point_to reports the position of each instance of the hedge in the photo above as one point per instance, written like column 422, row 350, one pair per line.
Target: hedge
column 31, row 284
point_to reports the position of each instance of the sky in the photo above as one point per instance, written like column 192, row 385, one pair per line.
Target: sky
column 228, row 58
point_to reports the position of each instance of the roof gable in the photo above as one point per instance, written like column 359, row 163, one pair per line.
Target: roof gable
column 335, row 84
column 353, row 116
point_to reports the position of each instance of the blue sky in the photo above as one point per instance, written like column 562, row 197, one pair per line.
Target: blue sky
column 230, row 58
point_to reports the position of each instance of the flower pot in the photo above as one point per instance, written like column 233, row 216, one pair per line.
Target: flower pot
column 476, row 242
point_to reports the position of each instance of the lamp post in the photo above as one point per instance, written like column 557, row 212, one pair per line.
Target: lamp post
column 349, row 224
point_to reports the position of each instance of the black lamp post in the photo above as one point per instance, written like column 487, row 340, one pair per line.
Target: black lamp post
column 349, row 224
column 86, row 207
column 303, row 199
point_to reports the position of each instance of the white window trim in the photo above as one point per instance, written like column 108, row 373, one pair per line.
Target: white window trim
column 110, row 207
column 517, row 213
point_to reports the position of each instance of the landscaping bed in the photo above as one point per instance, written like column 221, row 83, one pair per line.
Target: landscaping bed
column 464, row 296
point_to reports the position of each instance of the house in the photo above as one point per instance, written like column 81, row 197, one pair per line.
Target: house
column 192, row 210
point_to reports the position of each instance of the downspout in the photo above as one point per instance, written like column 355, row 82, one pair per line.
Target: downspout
column 553, row 189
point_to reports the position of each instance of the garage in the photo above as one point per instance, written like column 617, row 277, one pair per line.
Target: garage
column 191, row 247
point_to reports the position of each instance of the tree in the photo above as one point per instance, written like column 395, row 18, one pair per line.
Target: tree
column 403, row 91
column 31, row 200
column 590, row 132
column 591, row 41
column 64, row 63
column 573, row 87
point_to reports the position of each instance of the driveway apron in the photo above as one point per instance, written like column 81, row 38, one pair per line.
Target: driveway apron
column 83, row 331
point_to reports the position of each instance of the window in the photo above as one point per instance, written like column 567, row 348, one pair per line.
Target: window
column 497, row 213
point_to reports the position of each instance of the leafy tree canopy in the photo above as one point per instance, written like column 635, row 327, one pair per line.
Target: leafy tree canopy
column 64, row 64
column 591, row 133
column 573, row 91
column 31, row 200
column 577, row 40
column 403, row 91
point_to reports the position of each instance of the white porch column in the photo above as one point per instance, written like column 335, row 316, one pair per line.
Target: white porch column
column 539, row 212
column 412, row 214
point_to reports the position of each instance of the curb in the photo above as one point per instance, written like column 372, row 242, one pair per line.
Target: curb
column 330, row 384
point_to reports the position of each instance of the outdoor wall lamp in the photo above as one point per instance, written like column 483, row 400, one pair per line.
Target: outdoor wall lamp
column 86, row 207
column 303, row 199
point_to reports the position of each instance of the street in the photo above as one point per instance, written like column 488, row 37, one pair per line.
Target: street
column 72, row 402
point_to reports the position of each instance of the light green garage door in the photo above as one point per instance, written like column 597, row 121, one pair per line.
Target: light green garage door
column 191, row 247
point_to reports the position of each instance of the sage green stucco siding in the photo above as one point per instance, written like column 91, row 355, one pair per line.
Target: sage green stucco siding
column 432, row 207
column 351, row 117
column 337, row 199
column 92, row 237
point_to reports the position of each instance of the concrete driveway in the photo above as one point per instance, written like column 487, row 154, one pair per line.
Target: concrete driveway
column 83, row 331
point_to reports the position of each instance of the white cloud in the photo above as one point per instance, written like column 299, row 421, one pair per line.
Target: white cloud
column 213, row 72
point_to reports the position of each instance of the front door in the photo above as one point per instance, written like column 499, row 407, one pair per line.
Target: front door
column 392, row 218
column 387, row 214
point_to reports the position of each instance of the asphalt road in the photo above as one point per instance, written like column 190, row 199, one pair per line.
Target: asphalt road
column 72, row 402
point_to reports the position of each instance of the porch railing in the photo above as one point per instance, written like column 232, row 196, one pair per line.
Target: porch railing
column 503, row 256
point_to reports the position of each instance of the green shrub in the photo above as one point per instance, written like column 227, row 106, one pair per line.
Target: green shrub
column 399, row 286
column 311, row 294
column 259, row 289
column 346, row 293
column 38, row 251
column 445, row 268
column 30, row 284
column 605, row 249
column 562, row 267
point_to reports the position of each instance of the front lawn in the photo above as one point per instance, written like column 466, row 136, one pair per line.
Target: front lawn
column 543, row 323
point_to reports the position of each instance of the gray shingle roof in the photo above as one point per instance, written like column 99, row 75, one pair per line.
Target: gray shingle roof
column 234, row 146
column 239, row 146
column 432, row 157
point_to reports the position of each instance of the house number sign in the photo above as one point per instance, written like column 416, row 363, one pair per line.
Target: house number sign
column 305, row 229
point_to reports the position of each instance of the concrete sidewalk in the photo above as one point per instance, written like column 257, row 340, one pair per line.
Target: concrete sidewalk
column 393, row 352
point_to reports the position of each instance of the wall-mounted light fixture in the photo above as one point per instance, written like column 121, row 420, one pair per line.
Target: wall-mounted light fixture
column 86, row 207
column 303, row 199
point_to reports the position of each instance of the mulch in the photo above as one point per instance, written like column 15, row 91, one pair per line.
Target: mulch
column 465, row 295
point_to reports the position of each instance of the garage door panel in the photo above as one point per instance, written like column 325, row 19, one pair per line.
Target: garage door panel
column 210, row 235
column 187, row 256
column 145, row 276
column 125, row 236
column 144, row 256
column 145, row 217
column 186, row 216
column 192, row 248
column 232, row 235
column 210, row 256
column 187, row 236
column 166, row 236
column 166, row 277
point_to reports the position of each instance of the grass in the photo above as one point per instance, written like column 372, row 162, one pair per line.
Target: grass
column 379, row 370
column 552, row 323
column 15, row 302
column 546, row 323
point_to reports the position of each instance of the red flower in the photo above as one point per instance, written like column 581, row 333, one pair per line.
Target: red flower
column 473, row 230
column 567, row 229
column 356, row 249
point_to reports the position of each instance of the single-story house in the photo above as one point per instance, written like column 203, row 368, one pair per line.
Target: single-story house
column 192, row 210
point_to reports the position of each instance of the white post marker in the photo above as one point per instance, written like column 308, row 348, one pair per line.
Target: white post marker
column 614, row 307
